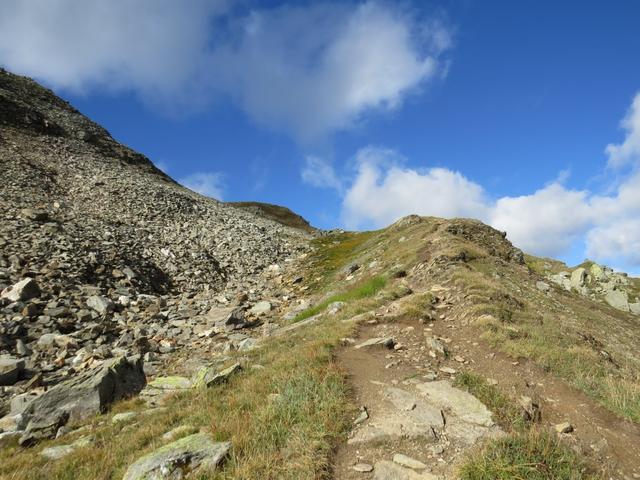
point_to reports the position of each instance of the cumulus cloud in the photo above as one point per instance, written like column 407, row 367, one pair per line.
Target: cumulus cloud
column 316, row 69
column 306, row 71
column 547, row 222
column 383, row 190
column 209, row 184
column 318, row 172
column 153, row 47
column 628, row 152
column 619, row 239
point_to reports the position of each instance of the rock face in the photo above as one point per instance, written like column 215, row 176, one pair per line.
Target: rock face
column 177, row 459
column 617, row 299
column 81, row 397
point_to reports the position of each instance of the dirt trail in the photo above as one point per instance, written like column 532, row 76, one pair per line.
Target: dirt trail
column 609, row 442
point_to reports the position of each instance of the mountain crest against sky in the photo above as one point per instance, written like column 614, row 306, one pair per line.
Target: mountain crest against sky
column 525, row 117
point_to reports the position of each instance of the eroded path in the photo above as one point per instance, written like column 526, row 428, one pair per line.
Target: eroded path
column 414, row 424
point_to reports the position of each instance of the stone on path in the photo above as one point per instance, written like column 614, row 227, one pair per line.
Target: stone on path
column 564, row 427
column 408, row 462
column 177, row 459
column 387, row 342
column 460, row 403
column 435, row 408
column 363, row 467
column 386, row 470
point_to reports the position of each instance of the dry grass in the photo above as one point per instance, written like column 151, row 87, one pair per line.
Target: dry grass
column 523, row 322
column 530, row 455
column 288, row 437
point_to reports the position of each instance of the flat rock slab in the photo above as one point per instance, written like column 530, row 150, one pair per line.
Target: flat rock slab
column 408, row 462
column 170, row 383
column 386, row 470
column 178, row 459
column 377, row 342
column 161, row 388
column 461, row 404
column 436, row 407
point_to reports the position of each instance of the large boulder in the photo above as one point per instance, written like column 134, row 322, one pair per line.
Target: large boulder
column 617, row 299
column 178, row 459
column 80, row 397
column 578, row 279
column 10, row 370
column 21, row 291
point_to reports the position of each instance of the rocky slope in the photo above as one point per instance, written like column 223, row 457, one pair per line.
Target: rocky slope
column 103, row 255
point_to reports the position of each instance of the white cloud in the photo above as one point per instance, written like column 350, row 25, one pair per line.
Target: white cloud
column 320, row 173
column 616, row 240
column 628, row 152
column 151, row 46
column 206, row 183
column 547, row 222
column 316, row 69
column 383, row 191
column 306, row 71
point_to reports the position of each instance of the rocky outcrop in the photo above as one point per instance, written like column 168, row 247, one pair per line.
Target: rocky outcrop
column 601, row 282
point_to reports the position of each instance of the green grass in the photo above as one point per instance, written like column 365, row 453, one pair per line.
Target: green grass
column 527, row 324
column 504, row 409
column 332, row 253
column 616, row 388
column 364, row 290
column 525, row 456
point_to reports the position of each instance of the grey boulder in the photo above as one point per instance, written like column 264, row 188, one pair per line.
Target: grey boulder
column 100, row 304
column 10, row 370
column 80, row 397
column 21, row 291
column 178, row 459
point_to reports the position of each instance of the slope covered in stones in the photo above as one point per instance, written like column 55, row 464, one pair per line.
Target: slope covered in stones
column 117, row 256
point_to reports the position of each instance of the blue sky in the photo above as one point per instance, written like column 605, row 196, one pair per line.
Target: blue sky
column 522, row 114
